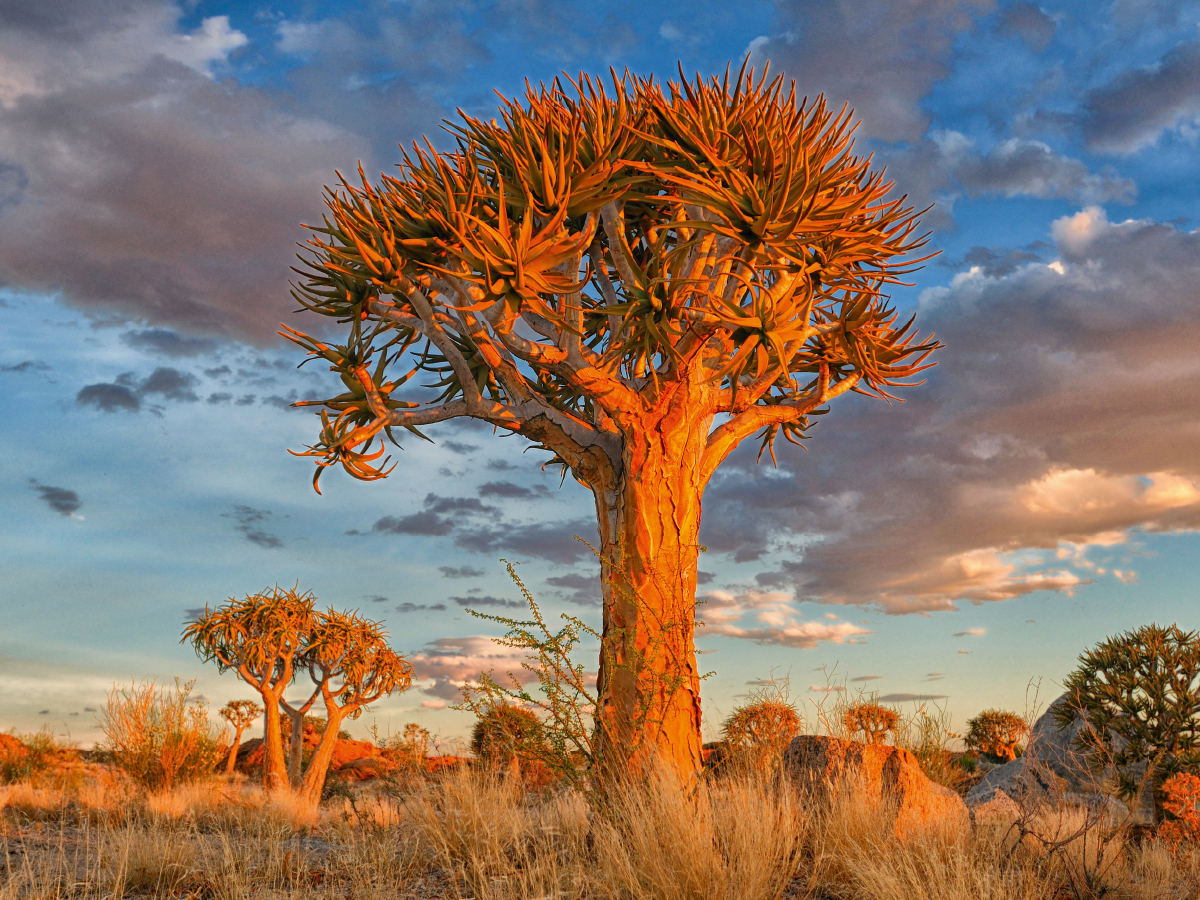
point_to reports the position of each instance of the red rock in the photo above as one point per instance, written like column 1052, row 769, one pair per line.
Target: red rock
column 890, row 775
column 250, row 756
column 444, row 763
column 365, row 769
column 345, row 751
column 11, row 749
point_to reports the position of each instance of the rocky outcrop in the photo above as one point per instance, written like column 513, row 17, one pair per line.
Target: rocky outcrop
column 1053, row 770
column 1000, row 810
column 347, row 751
column 889, row 775
column 12, row 751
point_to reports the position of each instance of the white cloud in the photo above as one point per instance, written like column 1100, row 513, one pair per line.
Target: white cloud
column 1053, row 428
column 209, row 44
column 770, row 618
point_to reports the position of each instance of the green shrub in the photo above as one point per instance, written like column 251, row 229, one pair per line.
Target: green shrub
column 1140, row 694
column 505, row 733
column 161, row 737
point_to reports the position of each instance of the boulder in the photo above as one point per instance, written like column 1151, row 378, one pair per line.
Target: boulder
column 250, row 757
column 434, row 764
column 890, row 775
column 365, row 768
column 1000, row 810
column 12, row 750
column 1054, row 749
column 1053, row 770
column 1018, row 781
column 347, row 751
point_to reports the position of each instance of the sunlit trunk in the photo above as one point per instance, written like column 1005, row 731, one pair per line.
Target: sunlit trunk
column 275, row 776
column 318, row 766
column 649, row 525
column 233, row 751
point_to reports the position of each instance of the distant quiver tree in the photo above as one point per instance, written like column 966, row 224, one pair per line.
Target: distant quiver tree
column 240, row 714
column 259, row 637
column 997, row 733
column 636, row 279
column 269, row 638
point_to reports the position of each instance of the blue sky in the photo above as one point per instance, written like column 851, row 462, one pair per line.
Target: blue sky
column 1040, row 492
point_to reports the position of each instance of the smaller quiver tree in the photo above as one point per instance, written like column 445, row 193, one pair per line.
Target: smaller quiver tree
column 872, row 720
column 352, row 666
column 996, row 733
column 258, row 637
column 1140, row 694
column 416, row 742
column 759, row 732
column 505, row 734
column 240, row 714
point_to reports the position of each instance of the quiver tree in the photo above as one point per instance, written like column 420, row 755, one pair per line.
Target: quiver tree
column 636, row 282
column 505, row 734
column 416, row 741
column 996, row 733
column 259, row 638
column 1140, row 694
column 351, row 664
column 759, row 732
column 872, row 720
column 240, row 714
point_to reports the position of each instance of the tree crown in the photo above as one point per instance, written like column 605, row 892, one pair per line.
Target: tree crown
column 349, row 657
column 872, row 719
column 257, row 636
column 581, row 256
column 995, row 732
column 240, row 713
column 1140, row 694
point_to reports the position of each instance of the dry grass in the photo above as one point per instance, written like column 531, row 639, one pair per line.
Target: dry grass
column 471, row 835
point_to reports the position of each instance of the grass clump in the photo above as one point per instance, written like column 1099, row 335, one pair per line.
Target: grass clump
column 161, row 736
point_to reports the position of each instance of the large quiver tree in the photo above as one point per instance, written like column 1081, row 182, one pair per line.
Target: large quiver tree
column 637, row 282
column 259, row 638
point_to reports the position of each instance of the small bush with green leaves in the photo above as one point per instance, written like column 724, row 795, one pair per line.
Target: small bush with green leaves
column 996, row 733
column 1140, row 694
column 506, row 732
column 872, row 720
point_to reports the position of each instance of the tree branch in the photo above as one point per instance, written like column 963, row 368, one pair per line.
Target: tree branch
column 613, row 215
column 725, row 439
column 441, row 340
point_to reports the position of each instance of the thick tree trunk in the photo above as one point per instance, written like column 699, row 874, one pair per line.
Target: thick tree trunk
column 649, row 520
column 275, row 776
column 318, row 766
